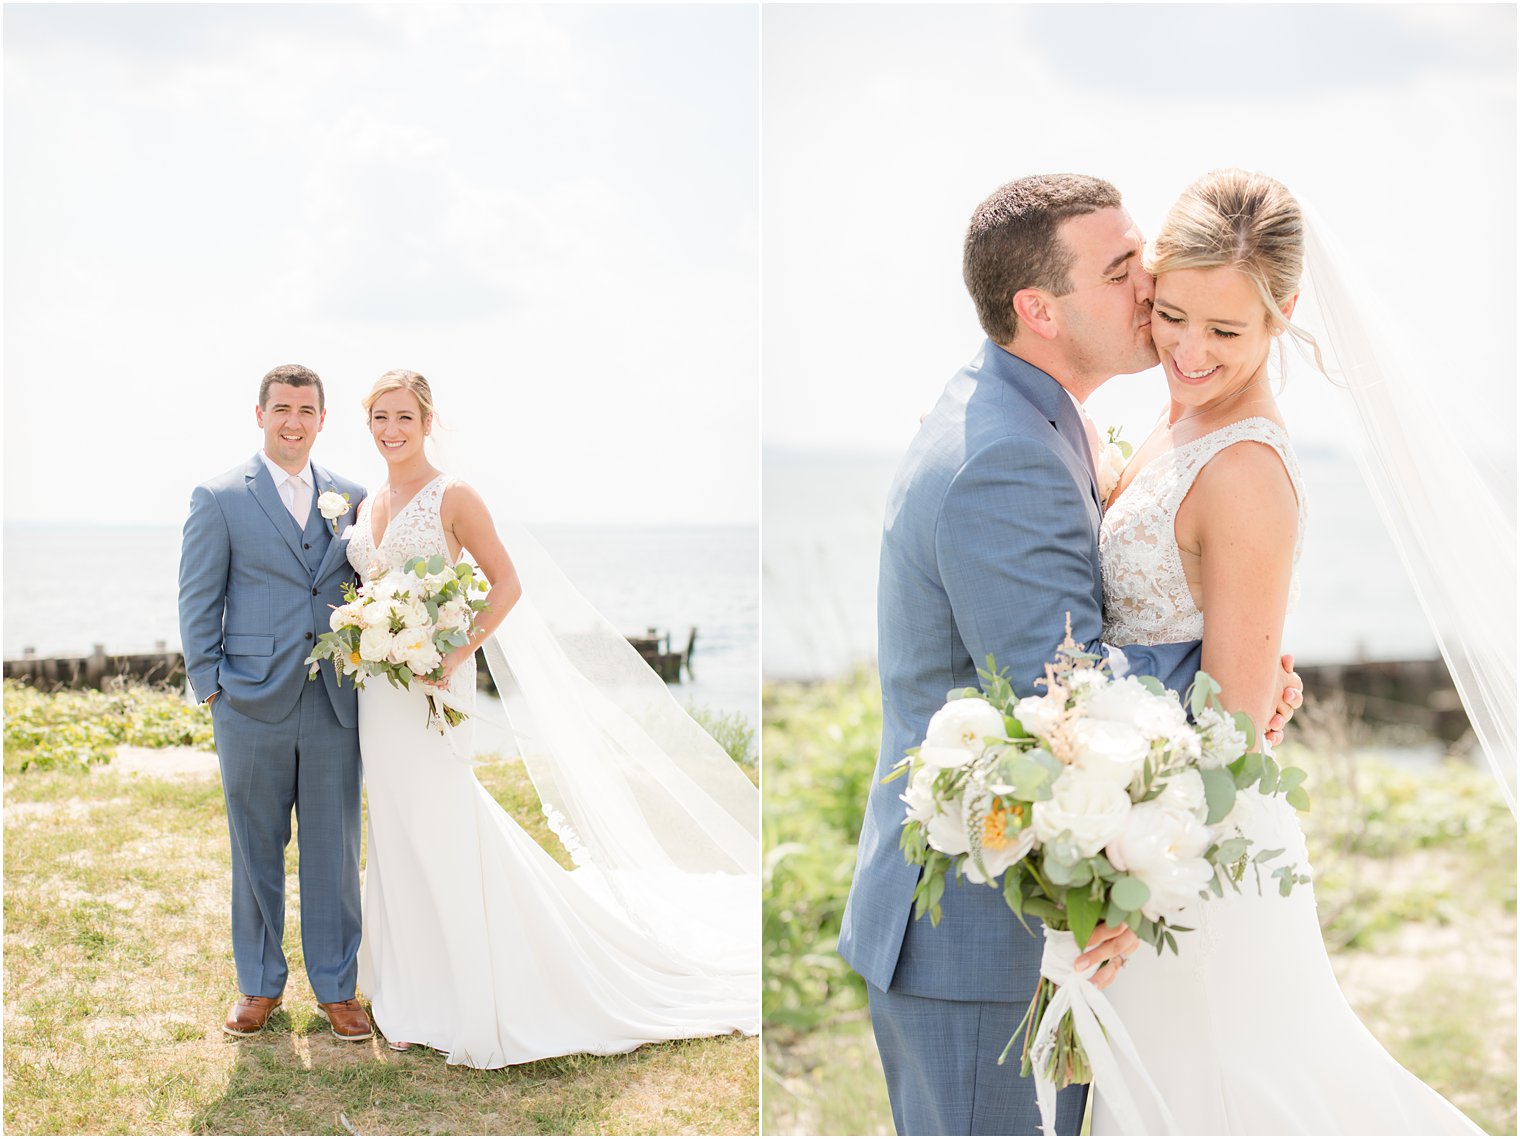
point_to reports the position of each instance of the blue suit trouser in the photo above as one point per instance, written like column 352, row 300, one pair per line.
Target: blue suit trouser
column 308, row 763
column 940, row 1059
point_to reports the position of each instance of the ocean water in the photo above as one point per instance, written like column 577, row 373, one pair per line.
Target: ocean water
column 68, row 588
column 822, row 516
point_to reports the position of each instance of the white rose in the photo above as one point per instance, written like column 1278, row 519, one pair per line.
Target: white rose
column 1040, row 715
column 332, row 505
column 1091, row 808
column 375, row 643
column 965, row 723
column 346, row 616
column 1184, row 792
column 1110, row 751
column 1111, row 462
column 456, row 614
column 1222, row 741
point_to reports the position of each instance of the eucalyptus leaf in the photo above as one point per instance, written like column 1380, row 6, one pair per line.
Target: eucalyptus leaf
column 1298, row 799
column 1219, row 791
column 1129, row 893
column 1152, row 685
column 1268, row 775
column 1247, row 727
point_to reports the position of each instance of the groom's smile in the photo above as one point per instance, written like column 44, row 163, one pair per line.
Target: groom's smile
column 291, row 418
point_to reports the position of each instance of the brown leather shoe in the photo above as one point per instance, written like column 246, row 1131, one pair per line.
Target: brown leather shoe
column 348, row 1019
column 248, row 1015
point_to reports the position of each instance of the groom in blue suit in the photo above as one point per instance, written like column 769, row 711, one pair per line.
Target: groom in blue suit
column 991, row 539
column 260, row 570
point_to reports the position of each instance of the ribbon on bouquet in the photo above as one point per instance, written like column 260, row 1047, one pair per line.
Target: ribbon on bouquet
column 446, row 699
column 1097, row 1026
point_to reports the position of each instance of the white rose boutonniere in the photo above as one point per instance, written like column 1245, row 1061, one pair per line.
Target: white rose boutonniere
column 1113, row 454
column 333, row 506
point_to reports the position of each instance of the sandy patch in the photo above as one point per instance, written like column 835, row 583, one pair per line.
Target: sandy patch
column 164, row 762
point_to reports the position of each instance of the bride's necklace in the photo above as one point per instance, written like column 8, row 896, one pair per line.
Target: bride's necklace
column 1218, row 405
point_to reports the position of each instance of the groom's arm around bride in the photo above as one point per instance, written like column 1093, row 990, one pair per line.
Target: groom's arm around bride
column 990, row 540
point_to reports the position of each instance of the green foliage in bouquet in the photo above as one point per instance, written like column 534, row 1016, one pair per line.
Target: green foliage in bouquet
column 1098, row 802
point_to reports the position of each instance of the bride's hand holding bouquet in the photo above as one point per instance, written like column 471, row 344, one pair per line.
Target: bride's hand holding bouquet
column 403, row 624
column 1097, row 802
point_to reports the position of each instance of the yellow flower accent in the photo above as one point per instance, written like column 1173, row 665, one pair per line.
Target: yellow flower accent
column 354, row 658
column 995, row 825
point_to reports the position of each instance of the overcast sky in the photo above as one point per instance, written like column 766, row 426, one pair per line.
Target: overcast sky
column 884, row 126
column 551, row 213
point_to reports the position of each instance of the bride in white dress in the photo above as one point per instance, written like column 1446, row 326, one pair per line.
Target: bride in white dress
column 1246, row 1030
column 476, row 942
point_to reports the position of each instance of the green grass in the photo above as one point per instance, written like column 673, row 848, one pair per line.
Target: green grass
column 118, row 972
column 1415, row 880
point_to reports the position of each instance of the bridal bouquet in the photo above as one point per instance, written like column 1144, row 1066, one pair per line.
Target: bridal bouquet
column 401, row 624
column 1095, row 802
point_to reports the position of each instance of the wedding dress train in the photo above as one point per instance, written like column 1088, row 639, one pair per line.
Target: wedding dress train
column 476, row 942
column 1245, row 1031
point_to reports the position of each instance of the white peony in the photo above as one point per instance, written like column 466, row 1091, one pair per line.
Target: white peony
column 1163, row 848
column 1040, row 715
column 964, row 723
column 1111, row 751
column 1093, row 809
column 414, row 648
column 375, row 643
column 1184, row 792
column 944, row 758
column 1222, row 741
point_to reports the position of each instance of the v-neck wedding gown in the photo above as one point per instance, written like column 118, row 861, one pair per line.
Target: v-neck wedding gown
column 476, row 942
column 1245, row 1031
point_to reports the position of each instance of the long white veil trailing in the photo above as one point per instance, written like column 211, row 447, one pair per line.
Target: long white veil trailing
column 1456, row 541
column 644, row 799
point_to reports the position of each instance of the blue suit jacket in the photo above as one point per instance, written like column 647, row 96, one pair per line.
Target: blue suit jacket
column 253, row 599
column 991, row 538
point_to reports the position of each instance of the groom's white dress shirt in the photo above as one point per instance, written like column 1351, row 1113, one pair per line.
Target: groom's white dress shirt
column 1094, row 442
column 295, row 490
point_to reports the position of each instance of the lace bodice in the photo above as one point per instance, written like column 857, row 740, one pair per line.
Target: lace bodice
column 1146, row 600
column 416, row 530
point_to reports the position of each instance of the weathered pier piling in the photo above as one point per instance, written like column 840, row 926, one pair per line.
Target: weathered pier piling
column 165, row 666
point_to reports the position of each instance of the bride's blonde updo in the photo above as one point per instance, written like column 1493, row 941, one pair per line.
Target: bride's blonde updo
column 1234, row 219
column 398, row 380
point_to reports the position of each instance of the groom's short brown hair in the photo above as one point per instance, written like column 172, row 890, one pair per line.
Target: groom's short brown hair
column 1014, row 243
column 294, row 375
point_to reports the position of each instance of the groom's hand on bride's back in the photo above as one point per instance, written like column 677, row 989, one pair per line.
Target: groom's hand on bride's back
column 1291, row 699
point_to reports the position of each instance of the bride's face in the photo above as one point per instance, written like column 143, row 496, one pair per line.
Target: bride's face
column 397, row 426
column 1211, row 333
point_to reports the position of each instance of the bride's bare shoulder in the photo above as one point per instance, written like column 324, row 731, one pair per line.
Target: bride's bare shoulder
column 1245, row 483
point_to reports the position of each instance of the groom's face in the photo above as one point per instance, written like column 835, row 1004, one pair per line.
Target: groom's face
column 1106, row 317
column 291, row 419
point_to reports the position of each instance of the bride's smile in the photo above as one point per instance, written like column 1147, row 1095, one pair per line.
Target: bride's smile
column 1212, row 336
